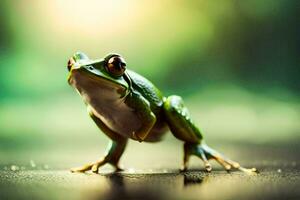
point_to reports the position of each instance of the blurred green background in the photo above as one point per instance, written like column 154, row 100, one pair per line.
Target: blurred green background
column 236, row 63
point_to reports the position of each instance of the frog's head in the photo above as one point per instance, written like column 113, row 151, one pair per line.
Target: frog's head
column 106, row 74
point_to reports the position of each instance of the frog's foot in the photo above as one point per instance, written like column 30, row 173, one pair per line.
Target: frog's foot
column 205, row 153
column 94, row 167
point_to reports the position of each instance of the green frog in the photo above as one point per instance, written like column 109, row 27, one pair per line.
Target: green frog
column 125, row 105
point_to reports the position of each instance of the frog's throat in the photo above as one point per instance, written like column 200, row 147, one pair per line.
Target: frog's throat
column 101, row 80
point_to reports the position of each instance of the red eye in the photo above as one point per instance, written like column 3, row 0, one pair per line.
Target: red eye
column 116, row 66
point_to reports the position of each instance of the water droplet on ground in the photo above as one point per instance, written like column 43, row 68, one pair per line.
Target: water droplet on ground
column 32, row 164
column 14, row 168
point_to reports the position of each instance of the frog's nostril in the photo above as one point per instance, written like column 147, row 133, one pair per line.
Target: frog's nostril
column 70, row 63
column 69, row 67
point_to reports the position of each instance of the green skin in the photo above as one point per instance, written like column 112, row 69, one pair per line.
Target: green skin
column 129, row 106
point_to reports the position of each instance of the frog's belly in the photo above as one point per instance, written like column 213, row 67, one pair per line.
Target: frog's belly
column 117, row 117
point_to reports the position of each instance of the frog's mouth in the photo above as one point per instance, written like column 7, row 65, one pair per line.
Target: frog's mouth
column 85, row 78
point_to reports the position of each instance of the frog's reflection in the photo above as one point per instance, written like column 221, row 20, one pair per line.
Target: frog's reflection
column 124, row 189
column 117, row 188
column 149, row 186
column 193, row 179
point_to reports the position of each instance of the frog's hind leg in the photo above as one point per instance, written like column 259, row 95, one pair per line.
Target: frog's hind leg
column 114, row 152
column 115, row 149
column 183, row 128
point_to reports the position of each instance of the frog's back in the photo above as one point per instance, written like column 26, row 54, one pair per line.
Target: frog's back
column 148, row 90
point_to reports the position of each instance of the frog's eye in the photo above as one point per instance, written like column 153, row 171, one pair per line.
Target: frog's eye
column 116, row 66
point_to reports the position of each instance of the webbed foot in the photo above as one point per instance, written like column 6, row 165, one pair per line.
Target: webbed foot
column 205, row 153
column 94, row 167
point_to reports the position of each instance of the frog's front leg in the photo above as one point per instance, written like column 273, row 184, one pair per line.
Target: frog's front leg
column 182, row 127
column 114, row 152
column 143, row 110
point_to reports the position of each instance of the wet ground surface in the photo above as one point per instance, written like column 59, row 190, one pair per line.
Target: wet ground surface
column 51, row 184
column 279, row 178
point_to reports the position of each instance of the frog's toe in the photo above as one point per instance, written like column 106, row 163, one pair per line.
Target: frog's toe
column 203, row 157
column 225, row 162
column 94, row 167
column 208, row 167
column 205, row 153
column 222, row 162
column 82, row 168
column 98, row 164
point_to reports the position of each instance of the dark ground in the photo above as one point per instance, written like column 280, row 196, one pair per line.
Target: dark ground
column 279, row 178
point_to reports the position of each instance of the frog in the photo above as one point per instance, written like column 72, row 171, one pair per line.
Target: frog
column 127, row 106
